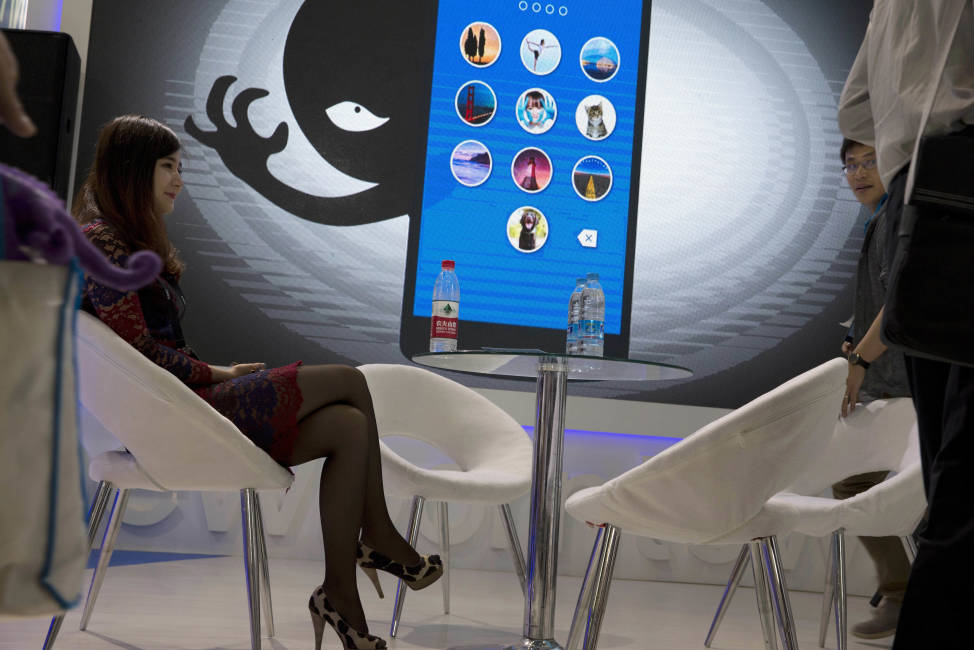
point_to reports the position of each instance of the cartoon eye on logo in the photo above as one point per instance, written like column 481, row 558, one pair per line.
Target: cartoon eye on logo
column 354, row 117
column 341, row 86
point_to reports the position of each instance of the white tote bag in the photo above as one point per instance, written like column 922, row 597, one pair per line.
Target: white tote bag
column 43, row 544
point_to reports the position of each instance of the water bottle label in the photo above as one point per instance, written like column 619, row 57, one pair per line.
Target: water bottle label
column 591, row 329
column 444, row 323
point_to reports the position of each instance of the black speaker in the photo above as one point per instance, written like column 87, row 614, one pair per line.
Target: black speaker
column 49, row 72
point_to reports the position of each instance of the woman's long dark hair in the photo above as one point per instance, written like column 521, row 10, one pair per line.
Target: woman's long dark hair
column 118, row 189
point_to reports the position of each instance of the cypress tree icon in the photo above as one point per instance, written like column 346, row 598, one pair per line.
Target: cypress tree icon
column 590, row 188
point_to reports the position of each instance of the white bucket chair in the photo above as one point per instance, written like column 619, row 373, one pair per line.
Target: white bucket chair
column 878, row 436
column 174, row 441
column 708, row 487
column 491, row 448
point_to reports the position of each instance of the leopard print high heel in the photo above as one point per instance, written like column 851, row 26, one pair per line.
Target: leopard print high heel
column 428, row 570
column 322, row 612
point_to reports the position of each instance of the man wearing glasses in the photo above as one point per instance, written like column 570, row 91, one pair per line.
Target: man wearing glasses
column 886, row 378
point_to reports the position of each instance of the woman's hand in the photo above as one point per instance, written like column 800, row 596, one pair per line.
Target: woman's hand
column 235, row 370
column 846, row 348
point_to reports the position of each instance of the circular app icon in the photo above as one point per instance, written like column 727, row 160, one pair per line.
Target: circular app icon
column 480, row 44
column 595, row 117
column 536, row 110
column 527, row 229
column 592, row 178
column 476, row 103
column 531, row 169
column 471, row 163
column 599, row 59
column 540, row 51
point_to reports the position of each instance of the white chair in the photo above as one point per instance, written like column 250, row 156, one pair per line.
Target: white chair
column 491, row 448
column 879, row 436
column 174, row 441
column 708, row 487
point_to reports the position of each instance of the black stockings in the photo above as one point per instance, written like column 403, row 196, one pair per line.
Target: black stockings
column 336, row 421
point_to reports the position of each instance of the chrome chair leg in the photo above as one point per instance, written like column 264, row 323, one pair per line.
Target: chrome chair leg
column 107, row 546
column 584, row 596
column 740, row 566
column 600, row 588
column 248, row 516
column 841, row 631
column 779, row 593
column 444, row 518
column 265, row 572
column 828, row 593
column 910, row 546
column 95, row 515
column 516, row 553
column 412, row 534
column 762, row 592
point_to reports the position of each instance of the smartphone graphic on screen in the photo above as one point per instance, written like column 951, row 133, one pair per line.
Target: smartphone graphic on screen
column 530, row 168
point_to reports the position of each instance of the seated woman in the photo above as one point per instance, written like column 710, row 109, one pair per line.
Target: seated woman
column 295, row 413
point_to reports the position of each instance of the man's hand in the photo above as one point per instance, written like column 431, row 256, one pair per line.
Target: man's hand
column 853, row 383
column 846, row 348
column 11, row 110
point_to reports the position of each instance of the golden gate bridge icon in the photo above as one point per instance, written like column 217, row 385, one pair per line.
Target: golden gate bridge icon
column 472, row 112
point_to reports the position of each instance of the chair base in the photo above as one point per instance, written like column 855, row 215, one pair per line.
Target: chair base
column 255, row 557
column 770, row 590
column 412, row 535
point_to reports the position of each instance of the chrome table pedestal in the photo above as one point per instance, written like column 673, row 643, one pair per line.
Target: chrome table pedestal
column 545, row 520
column 552, row 372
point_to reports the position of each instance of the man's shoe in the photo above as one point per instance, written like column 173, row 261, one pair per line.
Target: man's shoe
column 883, row 622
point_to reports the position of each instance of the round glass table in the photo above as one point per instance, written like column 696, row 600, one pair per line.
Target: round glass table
column 552, row 372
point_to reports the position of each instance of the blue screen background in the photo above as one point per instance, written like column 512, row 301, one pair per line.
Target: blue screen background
column 499, row 284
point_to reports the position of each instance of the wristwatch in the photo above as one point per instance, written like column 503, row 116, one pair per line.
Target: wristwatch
column 857, row 360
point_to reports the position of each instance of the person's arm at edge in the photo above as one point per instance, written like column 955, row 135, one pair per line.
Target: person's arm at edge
column 855, row 110
column 870, row 348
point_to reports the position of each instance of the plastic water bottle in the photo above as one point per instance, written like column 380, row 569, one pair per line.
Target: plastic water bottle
column 574, row 318
column 446, row 309
column 592, row 337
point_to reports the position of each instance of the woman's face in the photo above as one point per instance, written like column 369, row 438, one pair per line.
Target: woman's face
column 166, row 183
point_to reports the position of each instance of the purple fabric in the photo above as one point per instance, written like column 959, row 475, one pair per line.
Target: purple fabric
column 37, row 224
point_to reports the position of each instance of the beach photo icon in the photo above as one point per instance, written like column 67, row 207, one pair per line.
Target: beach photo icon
column 599, row 59
column 471, row 163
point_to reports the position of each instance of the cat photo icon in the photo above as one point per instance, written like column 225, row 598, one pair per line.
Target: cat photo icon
column 480, row 44
column 599, row 59
column 595, row 117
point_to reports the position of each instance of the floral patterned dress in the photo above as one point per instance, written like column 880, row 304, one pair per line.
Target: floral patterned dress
column 263, row 405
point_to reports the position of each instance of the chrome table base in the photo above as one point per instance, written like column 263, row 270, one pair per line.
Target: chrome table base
column 545, row 520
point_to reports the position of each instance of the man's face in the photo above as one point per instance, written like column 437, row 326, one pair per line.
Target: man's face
column 865, row 183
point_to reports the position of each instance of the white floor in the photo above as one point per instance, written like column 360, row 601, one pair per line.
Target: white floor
column 201, row 604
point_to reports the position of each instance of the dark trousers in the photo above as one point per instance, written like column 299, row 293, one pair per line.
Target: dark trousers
column 939, row 596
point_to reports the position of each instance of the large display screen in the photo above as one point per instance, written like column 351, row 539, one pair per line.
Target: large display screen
column 531, row 168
